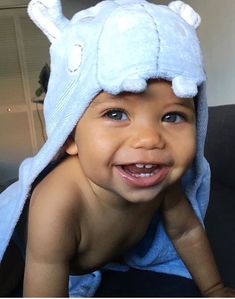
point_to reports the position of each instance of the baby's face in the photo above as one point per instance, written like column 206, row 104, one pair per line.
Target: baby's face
column 135, row 145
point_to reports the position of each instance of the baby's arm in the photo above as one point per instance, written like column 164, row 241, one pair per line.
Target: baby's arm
column 50, row 246
column 191, row 243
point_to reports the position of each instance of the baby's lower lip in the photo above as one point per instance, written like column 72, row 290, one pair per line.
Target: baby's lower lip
column 144, row 180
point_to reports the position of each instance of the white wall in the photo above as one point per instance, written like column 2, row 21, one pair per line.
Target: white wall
column 217, row 34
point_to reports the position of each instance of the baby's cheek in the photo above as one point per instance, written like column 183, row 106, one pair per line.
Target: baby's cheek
column 190, row 143
column 186, row 153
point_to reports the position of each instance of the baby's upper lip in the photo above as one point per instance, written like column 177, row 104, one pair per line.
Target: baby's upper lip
column 154, row 163
column 156, row 160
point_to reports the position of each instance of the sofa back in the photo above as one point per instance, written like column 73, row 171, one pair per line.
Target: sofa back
column 220, row 144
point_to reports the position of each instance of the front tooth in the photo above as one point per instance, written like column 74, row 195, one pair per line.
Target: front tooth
column 139, row 165
column 143, row 175
column 148, row 166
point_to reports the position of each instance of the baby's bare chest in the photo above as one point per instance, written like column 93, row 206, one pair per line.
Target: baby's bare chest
column 106, row 244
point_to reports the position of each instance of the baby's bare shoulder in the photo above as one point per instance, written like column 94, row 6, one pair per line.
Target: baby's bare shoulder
column 60, row 187
column 54, row 213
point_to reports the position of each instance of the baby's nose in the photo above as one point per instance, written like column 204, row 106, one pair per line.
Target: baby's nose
column 148, row 137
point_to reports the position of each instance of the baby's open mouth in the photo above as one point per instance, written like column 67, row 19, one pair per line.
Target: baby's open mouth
column 141, row 170
column 143, row 175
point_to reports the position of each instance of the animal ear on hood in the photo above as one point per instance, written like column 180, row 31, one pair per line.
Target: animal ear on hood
column 48, row 16
column 186, row 12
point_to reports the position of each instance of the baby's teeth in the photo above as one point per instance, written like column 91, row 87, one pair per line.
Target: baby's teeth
column 142, row 175
column 139, row 165
column 148, row 166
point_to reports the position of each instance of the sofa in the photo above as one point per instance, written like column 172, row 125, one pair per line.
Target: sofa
column 220, row 217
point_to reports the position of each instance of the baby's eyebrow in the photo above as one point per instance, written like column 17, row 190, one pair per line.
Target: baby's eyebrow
column 105, row 98
column 186, row 103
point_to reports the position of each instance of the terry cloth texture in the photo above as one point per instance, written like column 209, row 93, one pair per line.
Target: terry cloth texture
column 115, row 46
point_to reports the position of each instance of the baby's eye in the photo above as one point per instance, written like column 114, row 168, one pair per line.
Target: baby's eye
column 173, row 117
column 116, row 114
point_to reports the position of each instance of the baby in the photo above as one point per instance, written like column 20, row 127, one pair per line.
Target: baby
column 126, row 107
